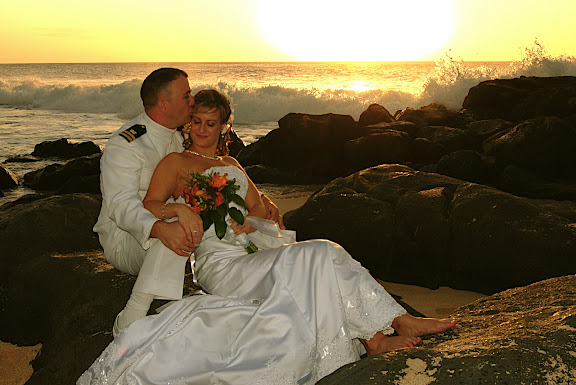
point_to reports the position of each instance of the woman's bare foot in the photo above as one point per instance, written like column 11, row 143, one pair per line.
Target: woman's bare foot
column 382, row 343
column 408, row 325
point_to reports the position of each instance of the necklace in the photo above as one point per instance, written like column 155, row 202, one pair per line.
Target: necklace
column 203, row 156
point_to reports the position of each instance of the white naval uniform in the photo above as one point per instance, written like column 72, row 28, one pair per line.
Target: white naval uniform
column 124, row 224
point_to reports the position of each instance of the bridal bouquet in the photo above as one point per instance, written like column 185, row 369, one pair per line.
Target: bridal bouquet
column 210, row 196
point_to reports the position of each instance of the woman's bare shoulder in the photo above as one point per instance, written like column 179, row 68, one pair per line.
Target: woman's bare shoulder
column 229, row 160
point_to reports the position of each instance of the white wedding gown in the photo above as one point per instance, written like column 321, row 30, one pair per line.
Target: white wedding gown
column 285, row 315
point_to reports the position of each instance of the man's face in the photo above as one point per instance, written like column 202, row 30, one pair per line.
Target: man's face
column 179, row 102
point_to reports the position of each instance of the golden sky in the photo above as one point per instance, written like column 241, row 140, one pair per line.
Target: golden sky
column 73, row 31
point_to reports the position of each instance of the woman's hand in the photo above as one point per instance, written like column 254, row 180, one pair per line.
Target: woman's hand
column 239, row 229
column 272, row 211
column 191, row 222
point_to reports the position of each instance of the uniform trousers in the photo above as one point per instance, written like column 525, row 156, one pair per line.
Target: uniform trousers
column 160, row 271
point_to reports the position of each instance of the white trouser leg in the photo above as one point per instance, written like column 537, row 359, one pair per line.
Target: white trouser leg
column 162, row 273
column 125, row 253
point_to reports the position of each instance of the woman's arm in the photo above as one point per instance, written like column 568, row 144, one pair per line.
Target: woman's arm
column 163, row 184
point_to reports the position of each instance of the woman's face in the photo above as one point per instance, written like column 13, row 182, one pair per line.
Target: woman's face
column 205, row 128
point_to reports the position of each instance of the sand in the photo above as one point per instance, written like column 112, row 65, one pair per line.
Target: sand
column 15, row 368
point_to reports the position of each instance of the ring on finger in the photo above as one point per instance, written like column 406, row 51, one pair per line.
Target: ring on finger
column 194, row 231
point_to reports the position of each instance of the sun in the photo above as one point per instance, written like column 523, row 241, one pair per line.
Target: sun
column 358, row 30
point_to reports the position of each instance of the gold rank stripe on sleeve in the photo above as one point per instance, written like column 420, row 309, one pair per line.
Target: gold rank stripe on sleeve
column 134, row 132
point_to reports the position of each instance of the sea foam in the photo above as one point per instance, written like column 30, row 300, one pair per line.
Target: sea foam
column 447, row 84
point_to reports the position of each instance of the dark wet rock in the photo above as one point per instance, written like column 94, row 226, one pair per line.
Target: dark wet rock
column 78, row 175
column 8, row 179
column 236, row 144
column 525, row 335
column 262, row 174
column 469, row 165
column 22, row 159
column 522, row 98
column 522, row 182
column 435, row 115
column 484, row 129
column 452, row 139
column 544, row 144
column 59, row 223
column 309, row 146
column 62, row 148
column 382, row 146
column 431, row 230
column 23, row 200
column 426, row 151
column 374, row 114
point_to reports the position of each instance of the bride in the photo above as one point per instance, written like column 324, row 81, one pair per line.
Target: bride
column 290, row 313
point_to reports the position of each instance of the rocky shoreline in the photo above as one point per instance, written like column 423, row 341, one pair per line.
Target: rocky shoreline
column 480, row 199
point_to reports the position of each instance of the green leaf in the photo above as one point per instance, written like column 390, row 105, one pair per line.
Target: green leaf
column 207, row 219
column 222, row 209
column 220, row 227
column 236, row 215
column 238, row 200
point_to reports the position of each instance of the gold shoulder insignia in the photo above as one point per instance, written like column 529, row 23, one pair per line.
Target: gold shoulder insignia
column 133, row 132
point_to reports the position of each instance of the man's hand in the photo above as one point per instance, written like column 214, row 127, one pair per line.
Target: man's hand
column 174, row 237
column 273, row 212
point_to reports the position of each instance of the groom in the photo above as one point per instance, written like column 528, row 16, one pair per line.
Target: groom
column 128, row 233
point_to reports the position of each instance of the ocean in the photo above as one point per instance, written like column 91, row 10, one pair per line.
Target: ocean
column 88, row 102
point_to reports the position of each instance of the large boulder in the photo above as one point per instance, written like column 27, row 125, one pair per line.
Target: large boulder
column 468, row 165
column 62, row 148
column 78, row 175
column 525, row 335
column 59, row 223
column 374, row 114
column 522, row 98
column 308, row 146
column 544, row 144
column 435, row 115
column 381, row 146
column 431, row 230
column 522, row 182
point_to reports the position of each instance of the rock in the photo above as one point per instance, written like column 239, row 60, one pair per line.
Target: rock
column 70, row 177
column 484, row 129
column 62, row 148
column 426, row 151
column 435, row 115
column 308, row 146
column 431, row 230
column 262, row 174
column 522, row 98
column 8, row 179
column 452, row 139
column 236, row 144
column 382, row 146
column 469, row 165
column 525, row 335
column 544, row 144
column 59, row 223
column 22, row 159
column 375, row 113
column 526, row 183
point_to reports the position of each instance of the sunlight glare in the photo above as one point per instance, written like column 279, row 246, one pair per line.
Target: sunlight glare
column 362, row 30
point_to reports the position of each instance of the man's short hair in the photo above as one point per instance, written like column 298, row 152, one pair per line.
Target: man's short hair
column 157, row 82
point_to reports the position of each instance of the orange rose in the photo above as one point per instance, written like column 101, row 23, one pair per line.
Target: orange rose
column 219, row 199
column 218, row 181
